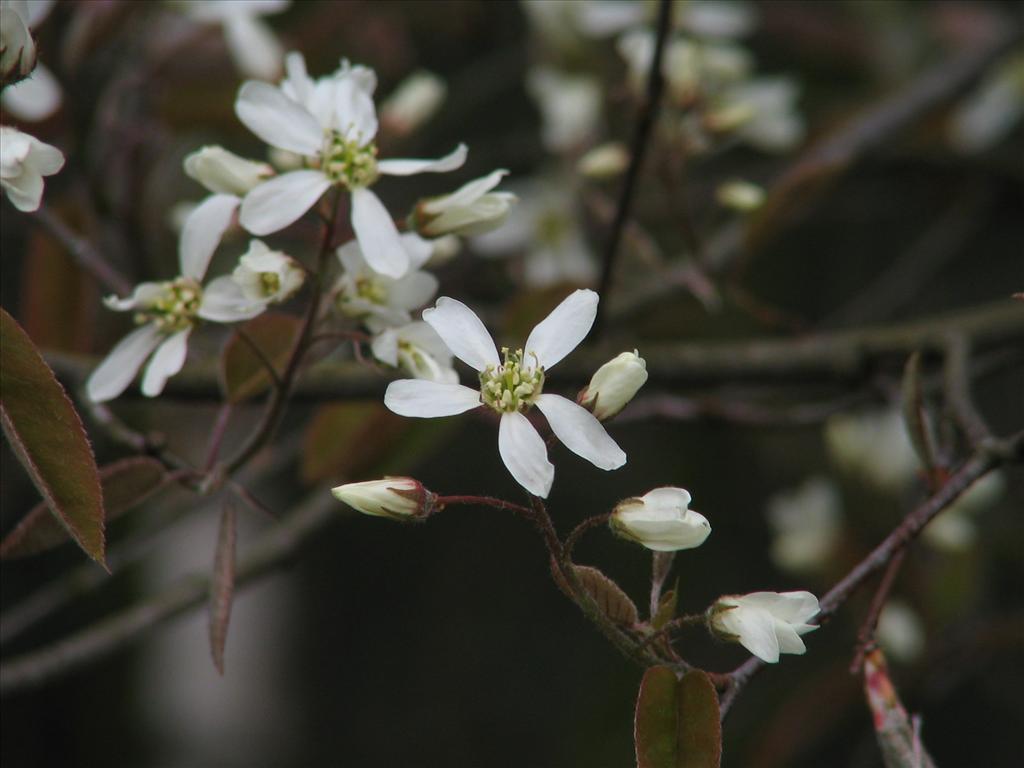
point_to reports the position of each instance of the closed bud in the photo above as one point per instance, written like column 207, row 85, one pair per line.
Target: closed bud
column 614, row 384
column 604, row 162
column 470, row 210
column 414, row 102
column 224, row 172
column 765, row 623
column 740, row 195
column 400, row 498
column 661, row 521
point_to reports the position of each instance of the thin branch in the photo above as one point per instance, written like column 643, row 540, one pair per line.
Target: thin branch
column 265, row 361
column 958, row 395
column 641, row 139
column 587, row 525
column 82, row 251
column 866, row 634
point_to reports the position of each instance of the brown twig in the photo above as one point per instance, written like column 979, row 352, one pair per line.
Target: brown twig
column 83, row 251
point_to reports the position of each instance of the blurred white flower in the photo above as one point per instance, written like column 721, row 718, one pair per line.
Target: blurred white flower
column 413, row 103
column 765, row 623
column 224, row 172
column 167, row 312
column 661, row 521
column 900, row 631
column 332, row 123
column 472, row 209
column 251, row 42
column 991, row 111
column 873, row 445
column 614, row 384
column 24, row 161
column 570, row 107
column 807, row 521
column 377, row 300
column 564, row 23
column 774, row 124
column 262, row 277
column 604, row 162
column 39, row 95
column 513, row 385
column 399, row 498
column 740, row 195
column 416, row 349
column 716, row 18
column 954, row 529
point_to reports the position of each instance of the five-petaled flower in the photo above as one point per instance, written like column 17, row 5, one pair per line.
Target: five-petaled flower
column 512, row 384
column 765, row 623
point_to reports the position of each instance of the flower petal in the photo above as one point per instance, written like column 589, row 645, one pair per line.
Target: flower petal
column 253, row 46
column 427, row 399
column 276, row 203
column 34, row 98
column 412, row 291
column 560, row 333
column 463, row 332
column 225, row 302
column 524, row 453
column 449, row 162
column 117, row 370
column 201, row 234
column 278, row 120
column 167, row 361
column 756, row 631
column 791, row 607
column 377, row 235
column 581, row 433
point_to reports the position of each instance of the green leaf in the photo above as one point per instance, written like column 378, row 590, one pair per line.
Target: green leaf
column 125, row 484
column 678, row 724
column 243, row 373
column 47, row 436
column 222, row 585
column 610, row 598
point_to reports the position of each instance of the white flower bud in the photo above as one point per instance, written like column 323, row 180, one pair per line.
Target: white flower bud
column 765, row 623
column 414, row 102
column 661, row 521
column 224, row 172
column 267, row 276
column 614, row 384
column 400, row 498
column 24, row 161
column 17, row 49
column 807, row 522
column 740, row 195
column 900, row 631
column 470, row 210
column 605, row 161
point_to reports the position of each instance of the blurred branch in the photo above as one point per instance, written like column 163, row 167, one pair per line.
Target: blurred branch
column 844, row 357
column 82, row 251
column 641, row 138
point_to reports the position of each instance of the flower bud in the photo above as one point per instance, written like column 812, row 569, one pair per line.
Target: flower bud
column 470, row 210
column 224, row 172
column 765, row 623
column 17, row 49
column 604, row 162
column 266, row 275
column 661, row 521
column 414, row 102
column 740, row 195
column 400, row 498
column 614, row 384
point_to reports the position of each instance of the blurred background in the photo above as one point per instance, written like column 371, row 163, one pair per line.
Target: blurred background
column 447, row 643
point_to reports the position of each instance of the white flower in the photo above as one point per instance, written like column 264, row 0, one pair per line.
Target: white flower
column 512, row 385
column 740, row 195
column 472, row 209
column 39, row 95
column 900, row 631
column 773, row 123
column 605, row 161
column 414, row 102
column 993, row 108
column 416, row 349
column 807, row 522
column 765, row 623
column 224, row 172
column 378, row 300
column 661, row 520
column 715, row 18
column 167, row 312
column 17, row 48
column 24, row 161
column 570, row 107
column 873, row 445
column 399, row 498
column 614, row 384
column 250, row 40
column 332, row 123
column 262, row 277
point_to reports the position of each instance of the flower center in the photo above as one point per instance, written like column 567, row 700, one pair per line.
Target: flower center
column 511, row 386
column 349, row 163
column 175, row 308
column 270, row 283
column 372, row 290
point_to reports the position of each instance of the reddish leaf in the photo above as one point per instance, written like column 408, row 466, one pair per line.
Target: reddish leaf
column 666, row 610
column 610, row 598
column 677, row 721
column 222, row 586
column 125, row 484
column 344, row 439
column 897, row 738
column 243, row 373
column 47, row 436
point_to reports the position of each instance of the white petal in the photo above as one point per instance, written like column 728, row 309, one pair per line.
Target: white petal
column 467, row 193
column 201, row 234
column 581, row 433
column 253, row 46
column 378, row 237
column 167, row 361
column 412, row 291
column 560, row 333
column 789, row 640
column 352, row 111
column 791, row 607
column 427, row 399
column 276, row 203
column 117, row 370
column 525, row 455
column 298, row 84
column 463, row 332
column 384, row 347
column 756, row 633
column 224, row 302
column 419, row 250
column 278, row 120
column 35, row 98
column 449, row 162
column 143, row 294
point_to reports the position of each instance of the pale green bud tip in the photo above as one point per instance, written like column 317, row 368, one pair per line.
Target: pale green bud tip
column 604, row 162
column 614, row 384
column 399, row 498
column 740, row 196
